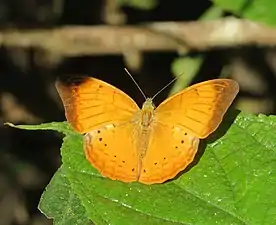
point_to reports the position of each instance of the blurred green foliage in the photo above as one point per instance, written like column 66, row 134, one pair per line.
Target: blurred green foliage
column 140, row 4
column 263, row 11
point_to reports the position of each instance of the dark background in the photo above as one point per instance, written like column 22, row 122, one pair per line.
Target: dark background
column 29, row 159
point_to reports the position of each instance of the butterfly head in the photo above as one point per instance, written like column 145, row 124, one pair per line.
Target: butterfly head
column 148, row 105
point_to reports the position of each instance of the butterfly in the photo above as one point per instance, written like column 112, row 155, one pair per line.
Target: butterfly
column 149, row 145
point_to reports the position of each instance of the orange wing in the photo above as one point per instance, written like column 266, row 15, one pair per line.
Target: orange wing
column 107, row 116
column 179, row 123
column 93, row 103
column 199, row 109
column 171, row 149
column 112, row 151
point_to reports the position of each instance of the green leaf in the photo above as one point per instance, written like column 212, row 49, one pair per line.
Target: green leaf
column 62, row 127
column 190, row 66
column 232, row 181
column 263, row 11
column 140, row 4
column 211, row 13
column 60, row 203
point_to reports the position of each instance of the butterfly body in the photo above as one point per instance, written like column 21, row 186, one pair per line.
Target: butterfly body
column 145, row 125
column 149, row 145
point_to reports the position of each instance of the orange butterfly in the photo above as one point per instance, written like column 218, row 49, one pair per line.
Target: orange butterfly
column 149, row 145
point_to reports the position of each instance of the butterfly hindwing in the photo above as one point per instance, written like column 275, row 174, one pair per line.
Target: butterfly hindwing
column 112, row 151
column 171, row 149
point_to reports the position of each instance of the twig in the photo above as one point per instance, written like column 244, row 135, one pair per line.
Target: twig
column 161, row 36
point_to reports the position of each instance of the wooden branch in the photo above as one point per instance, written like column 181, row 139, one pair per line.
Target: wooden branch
column 161, row 36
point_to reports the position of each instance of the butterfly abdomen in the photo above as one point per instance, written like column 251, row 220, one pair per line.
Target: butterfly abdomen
column 143, row 141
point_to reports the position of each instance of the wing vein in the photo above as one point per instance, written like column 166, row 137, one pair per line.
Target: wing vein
column 200, row 111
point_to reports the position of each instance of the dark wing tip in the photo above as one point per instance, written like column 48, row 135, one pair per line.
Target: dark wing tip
column 71, row 80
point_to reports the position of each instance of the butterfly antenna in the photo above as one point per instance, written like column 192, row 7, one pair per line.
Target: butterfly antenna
column 137, row 85
column 162, row 89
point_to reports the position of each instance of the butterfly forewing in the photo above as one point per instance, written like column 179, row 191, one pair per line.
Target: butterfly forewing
column 93, row 103
column 199, row 108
